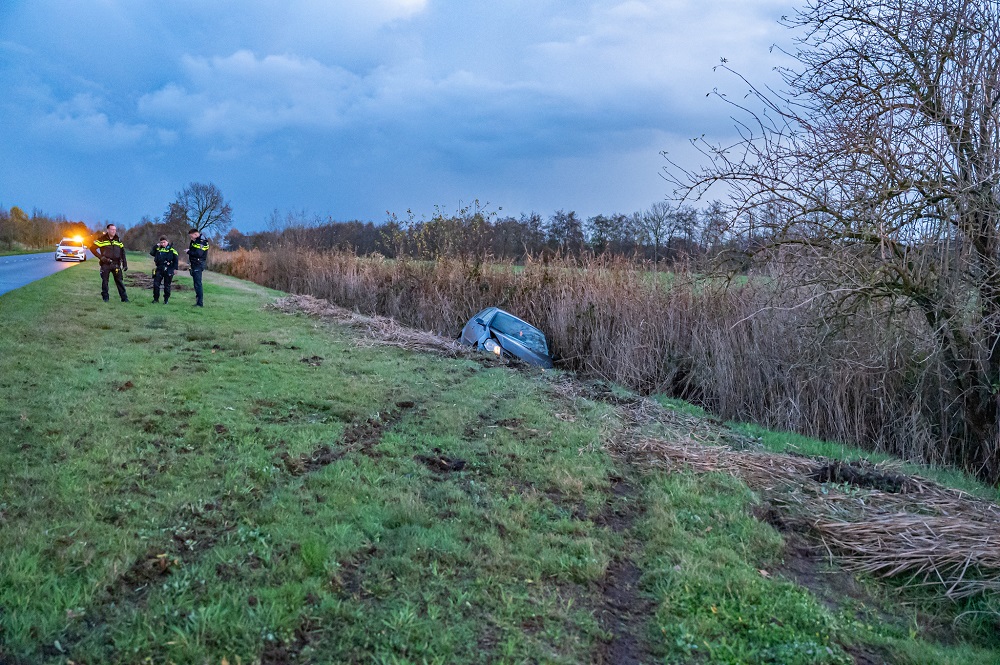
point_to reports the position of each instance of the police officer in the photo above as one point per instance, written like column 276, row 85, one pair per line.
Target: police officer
column 110, row 251
column 197, row 255
column 165, row 257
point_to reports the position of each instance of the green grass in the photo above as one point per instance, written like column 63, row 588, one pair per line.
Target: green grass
column 186, row 485
column 14, row 252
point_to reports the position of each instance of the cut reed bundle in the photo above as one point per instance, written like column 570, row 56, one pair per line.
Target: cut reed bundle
column 931, row 535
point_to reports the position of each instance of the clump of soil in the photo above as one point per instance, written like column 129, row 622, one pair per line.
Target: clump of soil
column 440, row 462
column 308, row 462
column 859, row 475
column 145, row 571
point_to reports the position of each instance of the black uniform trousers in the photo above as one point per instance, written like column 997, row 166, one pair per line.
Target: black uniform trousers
column 164, row 276
column 107, row 270
column 198, row 293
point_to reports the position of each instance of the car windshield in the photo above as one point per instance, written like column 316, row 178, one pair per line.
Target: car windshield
column 71, row 243
column 525, row 334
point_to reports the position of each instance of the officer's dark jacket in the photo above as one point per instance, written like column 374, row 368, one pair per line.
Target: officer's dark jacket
column 110, row 248
column 164, row 257
column 198, row 252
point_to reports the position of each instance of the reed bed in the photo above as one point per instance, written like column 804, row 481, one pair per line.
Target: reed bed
column 754, row 352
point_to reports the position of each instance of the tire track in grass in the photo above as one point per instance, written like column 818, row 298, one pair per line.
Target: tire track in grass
column 204, row 524
column 625, row 613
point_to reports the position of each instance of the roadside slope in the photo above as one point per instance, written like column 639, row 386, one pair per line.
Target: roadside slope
column 189, row 485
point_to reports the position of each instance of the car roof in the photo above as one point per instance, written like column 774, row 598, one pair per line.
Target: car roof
column 513, row 316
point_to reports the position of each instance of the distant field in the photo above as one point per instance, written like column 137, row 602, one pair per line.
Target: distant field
column 236, row 484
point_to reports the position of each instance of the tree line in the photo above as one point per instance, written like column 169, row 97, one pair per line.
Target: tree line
column 18, row 230
column 199, row 205
column 661, row 233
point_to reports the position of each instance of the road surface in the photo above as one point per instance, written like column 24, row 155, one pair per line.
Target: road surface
column 21, row 269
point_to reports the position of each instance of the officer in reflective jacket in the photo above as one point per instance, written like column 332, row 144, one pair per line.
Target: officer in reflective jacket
column 197, row 255
column 110, row 251
column 165, row 257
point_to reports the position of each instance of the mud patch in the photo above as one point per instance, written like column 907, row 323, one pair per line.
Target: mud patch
column 146, row 571
column 860, row 475
column 624, row 614
column 364, row 436
column 358, row 437
column 308, row 462
column 349, row 579
column 284, row 652
column 440, row 462
column 865, row 655
column 625, row 611
column 804, row 565
column 143, row 280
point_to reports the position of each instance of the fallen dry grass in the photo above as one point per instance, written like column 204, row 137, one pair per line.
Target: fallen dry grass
column 375, row 330
column 928, row 534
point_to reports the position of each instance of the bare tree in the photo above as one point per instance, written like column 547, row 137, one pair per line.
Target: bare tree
column 201, row 206
column 882, row 156
column 713, row 223
column 655, row 224
column 663, row 224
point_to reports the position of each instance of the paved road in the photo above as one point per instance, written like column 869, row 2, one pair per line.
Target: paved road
column 21, row 269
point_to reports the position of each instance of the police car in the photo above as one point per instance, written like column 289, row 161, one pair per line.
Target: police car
column 71, row 249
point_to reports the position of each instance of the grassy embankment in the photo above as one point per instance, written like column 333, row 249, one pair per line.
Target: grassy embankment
column 186, row 485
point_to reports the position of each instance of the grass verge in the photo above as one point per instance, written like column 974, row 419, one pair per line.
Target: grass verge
column 188, row 485
column 15, row 252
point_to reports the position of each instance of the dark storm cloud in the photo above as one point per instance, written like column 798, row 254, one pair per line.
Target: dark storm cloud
column 350, row 109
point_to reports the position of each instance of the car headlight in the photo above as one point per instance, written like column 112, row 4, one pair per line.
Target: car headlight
column 492, row 347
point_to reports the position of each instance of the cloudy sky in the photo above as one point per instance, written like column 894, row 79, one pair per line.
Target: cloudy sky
column 351, row 108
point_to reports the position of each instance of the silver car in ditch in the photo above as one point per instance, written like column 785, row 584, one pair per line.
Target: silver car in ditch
column 504, row 335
